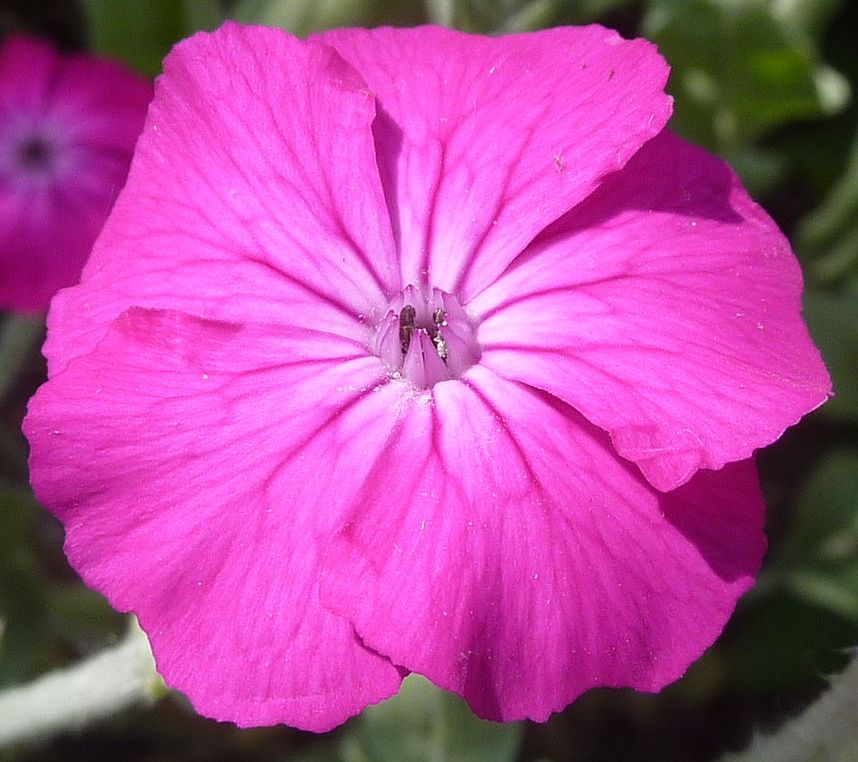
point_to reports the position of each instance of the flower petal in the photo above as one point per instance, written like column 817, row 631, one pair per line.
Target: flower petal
column 28, row 71
column 45, row 237
column 503, row 550
column 101, row 104
column 253, row 196
column 197, row 469
column 665, row 308
column 482, row 142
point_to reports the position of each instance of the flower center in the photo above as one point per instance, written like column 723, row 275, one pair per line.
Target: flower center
column 425, row 337
column 35, row 153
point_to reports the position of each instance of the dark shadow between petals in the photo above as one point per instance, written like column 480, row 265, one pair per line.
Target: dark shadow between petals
column 666, row 175
column 388, row 138
column 721, row 513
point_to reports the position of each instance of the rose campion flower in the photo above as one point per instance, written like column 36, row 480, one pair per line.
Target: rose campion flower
column 409, row 350
column 68, row 125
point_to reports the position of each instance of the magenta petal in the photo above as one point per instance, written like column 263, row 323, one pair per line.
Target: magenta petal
column 503, row 550
column 44, row 242
column 484, row 141
column 667, row 309
column 253, row 196
column 192, row 464
column 28, row 71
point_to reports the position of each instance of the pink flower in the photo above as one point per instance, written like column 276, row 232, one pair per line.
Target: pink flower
column 67, row 130
column 414, row 350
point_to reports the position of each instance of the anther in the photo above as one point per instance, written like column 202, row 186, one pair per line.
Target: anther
column 406, row 326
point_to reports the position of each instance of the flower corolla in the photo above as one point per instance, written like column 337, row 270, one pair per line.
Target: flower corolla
column 410, row 350
column 68, row 124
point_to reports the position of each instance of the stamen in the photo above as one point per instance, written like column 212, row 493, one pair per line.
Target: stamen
column 406, row 326
column 439, row 318
column 425, row 338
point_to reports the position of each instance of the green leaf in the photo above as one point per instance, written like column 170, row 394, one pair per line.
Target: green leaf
column 590, row 10
column 835, row 589
column 823, row 565
column 833, row 323
column 141, row 32
column 22, row 603
column 202, row 15
column 830, row 234
column 302, row 17
column 507, row 16
column 826, row 507
column 80, row 616
column 323, row 751
column 42, row 619
column 740, row 70
column 536, row 14
column 425, row 724
column 799, row 630
column 785, row 645
column 19, row 337
column 811, row 17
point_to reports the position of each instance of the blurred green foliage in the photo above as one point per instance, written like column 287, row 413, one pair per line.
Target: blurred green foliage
column 823, row 549
column 833, row 321
column 829, row 234
column 302, row 18
column 740, row 69
column 422, row 724
column 765, row 83
column 141, row 32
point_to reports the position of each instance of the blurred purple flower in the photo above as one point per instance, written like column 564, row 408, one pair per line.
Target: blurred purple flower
column 68, row 125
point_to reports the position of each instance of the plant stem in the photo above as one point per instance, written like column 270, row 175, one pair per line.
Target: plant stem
column 72, row 698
